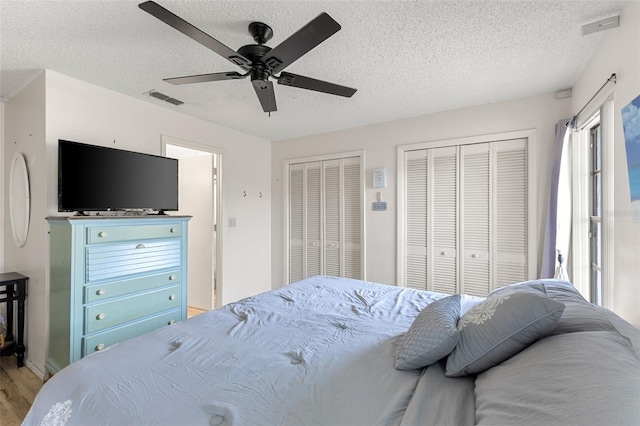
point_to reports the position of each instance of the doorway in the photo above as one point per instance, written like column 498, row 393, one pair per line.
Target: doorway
column 199, row 195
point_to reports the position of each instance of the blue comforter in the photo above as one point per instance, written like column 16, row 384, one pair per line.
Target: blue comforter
column 317, row 352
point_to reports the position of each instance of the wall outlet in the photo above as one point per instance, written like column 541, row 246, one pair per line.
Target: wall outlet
column 232, row 222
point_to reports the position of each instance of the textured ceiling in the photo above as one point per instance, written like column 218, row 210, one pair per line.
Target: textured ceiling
column 406, row 58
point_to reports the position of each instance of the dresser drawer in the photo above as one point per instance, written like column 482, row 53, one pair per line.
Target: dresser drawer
column 111, row 234
column 116, row 260
column 105, row 291
column 104, row 315
column 105, row 339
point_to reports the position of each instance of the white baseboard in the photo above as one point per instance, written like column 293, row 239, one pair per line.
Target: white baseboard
column 39, row 372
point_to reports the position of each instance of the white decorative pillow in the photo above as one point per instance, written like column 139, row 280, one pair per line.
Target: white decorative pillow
column 500, row 327
column 432, row 335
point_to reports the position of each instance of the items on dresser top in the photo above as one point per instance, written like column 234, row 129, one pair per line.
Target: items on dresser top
column 113, row 278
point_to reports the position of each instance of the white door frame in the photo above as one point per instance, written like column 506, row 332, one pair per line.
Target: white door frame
column 170, row 140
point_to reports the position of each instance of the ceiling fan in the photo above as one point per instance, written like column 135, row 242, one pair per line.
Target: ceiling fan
column 260, row 62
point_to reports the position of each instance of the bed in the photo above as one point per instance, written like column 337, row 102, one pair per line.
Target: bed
column 335, row 351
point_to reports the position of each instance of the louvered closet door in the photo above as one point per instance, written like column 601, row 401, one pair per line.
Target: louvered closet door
column 332, row 217
column 415, row 219
column 305, row 213
column 431, row 219
column 465, row 217
column 352, row 213
column 475, row 219
column 296, row 222
column 325, row 210
column 510, row 210
column 313, row 219
column 443, row 224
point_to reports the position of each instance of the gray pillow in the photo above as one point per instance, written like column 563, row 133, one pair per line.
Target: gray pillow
column 587, row 378
column 432, row 335
column 500, row 327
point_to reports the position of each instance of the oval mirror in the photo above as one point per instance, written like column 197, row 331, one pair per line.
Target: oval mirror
column 19, row 199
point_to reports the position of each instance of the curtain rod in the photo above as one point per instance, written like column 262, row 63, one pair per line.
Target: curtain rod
column 612, row 78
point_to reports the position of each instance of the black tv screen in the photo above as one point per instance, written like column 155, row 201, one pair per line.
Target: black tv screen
column 95, row 178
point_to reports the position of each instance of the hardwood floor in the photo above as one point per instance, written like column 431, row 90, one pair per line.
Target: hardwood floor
column 192, row 312
column 18, row 388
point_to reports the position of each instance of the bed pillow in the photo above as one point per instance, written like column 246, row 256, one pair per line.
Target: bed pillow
column 500, row 327
column 432, row 335
column 586, row 378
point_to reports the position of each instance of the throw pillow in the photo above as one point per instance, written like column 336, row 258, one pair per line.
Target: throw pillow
column 500, row 327
column 432, row 335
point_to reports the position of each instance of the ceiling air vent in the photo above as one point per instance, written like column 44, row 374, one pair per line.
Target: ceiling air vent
column 601, row 25
column 165, row 98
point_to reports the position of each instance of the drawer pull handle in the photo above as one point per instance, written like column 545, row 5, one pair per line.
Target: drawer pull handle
column 100, row 292
column 172, row 297
column 101, row 316
column 171, row 322
column 100, row 347
column 172, row 277
column 140, row 246
column 475, row 255
column 173, row 230
column 443, row 253
column 102, row 234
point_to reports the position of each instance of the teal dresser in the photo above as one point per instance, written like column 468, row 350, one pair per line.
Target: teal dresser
column 113, row 278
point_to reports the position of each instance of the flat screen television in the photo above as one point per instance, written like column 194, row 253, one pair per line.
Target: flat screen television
column 96, row 178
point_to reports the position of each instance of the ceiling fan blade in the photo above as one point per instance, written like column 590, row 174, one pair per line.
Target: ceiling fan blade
column 198, row 35
column 301, row 42
column 203, row 78
column 309, row 83
column 266, row 95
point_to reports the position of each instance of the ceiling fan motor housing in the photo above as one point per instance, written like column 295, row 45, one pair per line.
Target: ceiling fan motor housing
column 260, row 32
column 255, row 52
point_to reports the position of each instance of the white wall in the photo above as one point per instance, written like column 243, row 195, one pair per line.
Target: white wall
column 25, row 133
column 83, row 112
column 379, row 142
column 619, row 52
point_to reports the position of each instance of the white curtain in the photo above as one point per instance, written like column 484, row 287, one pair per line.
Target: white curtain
column 558, row 224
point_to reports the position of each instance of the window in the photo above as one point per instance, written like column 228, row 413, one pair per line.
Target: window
column 595, row 214
column 592, row 247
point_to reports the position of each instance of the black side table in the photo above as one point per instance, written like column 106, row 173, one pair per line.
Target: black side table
column 13, row 287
